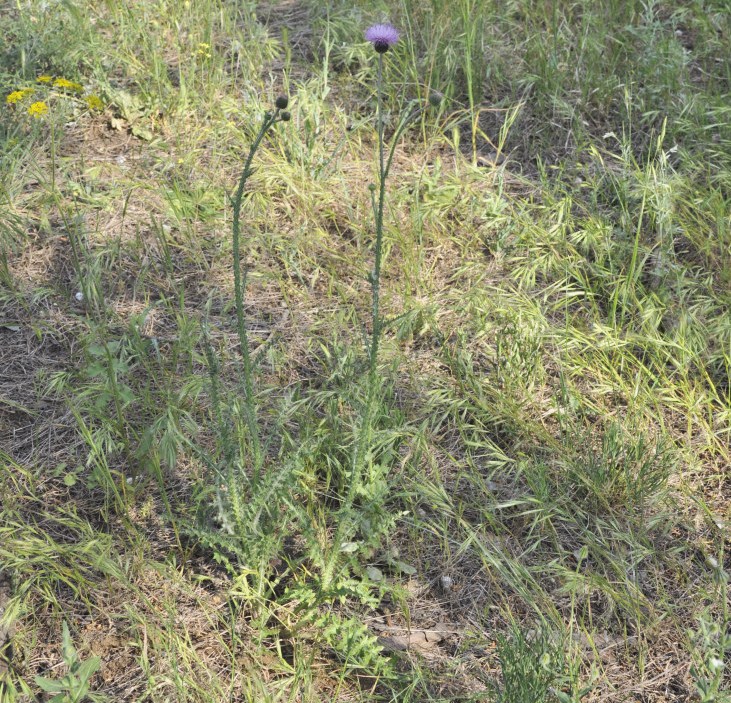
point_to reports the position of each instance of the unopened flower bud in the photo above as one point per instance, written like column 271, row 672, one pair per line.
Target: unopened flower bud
column 281, row 102
column 435, row 99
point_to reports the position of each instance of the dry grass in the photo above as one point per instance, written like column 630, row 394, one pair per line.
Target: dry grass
column 555, row 420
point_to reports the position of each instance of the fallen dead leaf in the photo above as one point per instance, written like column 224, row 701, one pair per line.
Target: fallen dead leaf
column 412, row 638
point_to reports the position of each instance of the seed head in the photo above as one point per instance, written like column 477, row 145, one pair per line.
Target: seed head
column 281, row 102
column 285, row 116
column 382, row 36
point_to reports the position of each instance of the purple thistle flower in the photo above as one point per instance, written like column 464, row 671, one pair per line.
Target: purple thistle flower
column 382, row 36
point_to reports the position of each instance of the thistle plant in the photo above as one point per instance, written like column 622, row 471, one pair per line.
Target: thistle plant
column 382, row 37
column 244, row 500
column 244, row 512
column 240, row 273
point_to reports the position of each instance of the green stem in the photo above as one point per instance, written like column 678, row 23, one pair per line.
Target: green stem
column 375, row 279
column 376, row 275
column 239, row 286
column 363, row 440
column 377, row 324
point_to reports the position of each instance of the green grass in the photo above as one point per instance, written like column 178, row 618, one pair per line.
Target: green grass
column 544, row 499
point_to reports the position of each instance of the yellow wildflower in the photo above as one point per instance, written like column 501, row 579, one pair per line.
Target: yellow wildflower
column 17, row 95
column 94, row 102
column 44, row 79
column 38, row 109
column 67, row 84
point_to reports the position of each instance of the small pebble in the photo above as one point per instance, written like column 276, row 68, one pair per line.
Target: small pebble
column 79, row 296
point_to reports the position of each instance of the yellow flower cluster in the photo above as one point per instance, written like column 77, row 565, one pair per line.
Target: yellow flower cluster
column 38, row 109
column 17, row 95
column 94, row 102
column 204, row 50
column 66, row 84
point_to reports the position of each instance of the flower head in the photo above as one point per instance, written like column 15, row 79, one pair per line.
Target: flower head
column 44, row 78
column 66, row 84
column 382, row 36
column 18, row 95
column 38, row 109
column 94, row 102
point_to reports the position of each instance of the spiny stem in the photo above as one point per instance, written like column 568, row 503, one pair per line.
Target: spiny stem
column 384, row 166
column 376, row 276
column 366, row 424
column 363, row 440
column 375, row 279
column 239, row 286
